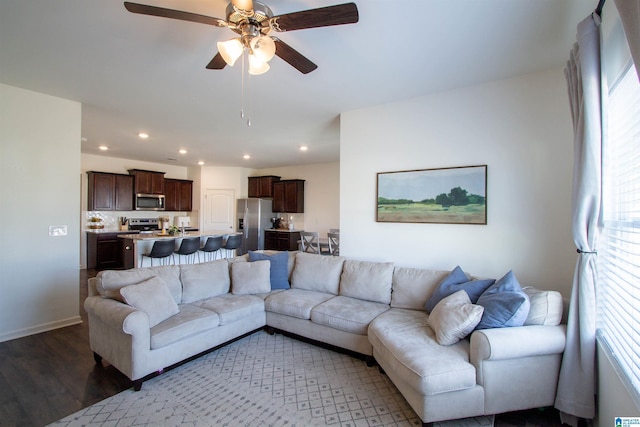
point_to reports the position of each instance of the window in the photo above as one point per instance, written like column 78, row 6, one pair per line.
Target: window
column 618, row 285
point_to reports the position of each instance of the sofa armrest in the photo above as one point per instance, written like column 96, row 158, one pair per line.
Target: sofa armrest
column 117, row 315
column 516, row 342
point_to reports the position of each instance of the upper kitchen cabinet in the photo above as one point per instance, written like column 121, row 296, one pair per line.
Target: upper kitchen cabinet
column 288, row 196
column 109, row 192
column 148, row 182
column 178, row 194
column 262, row 186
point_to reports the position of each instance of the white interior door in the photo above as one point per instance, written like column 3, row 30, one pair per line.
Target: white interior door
column 219, row 207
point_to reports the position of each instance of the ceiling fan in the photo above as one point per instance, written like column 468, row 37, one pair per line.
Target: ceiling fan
column 254, row 21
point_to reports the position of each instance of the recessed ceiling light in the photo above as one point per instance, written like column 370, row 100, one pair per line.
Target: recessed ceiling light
column 143, row 135
column 103, row 147
column 201, row 163
column 246, row 157
column 303, row 148
column 182, row 151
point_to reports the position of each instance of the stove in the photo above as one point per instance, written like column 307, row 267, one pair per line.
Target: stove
column 143, row 225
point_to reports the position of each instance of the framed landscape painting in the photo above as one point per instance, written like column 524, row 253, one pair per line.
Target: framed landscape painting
column 456, row 195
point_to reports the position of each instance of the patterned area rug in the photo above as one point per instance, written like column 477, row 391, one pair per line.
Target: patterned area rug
column 262, row 380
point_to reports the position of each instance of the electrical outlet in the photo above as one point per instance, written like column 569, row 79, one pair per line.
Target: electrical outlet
column 57, row 230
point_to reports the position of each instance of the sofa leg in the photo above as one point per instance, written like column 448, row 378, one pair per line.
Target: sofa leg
column 137, row 384
column 97, row 358
column 427, row 424
column 269, row 330
column 371, row 361
column 381, row 370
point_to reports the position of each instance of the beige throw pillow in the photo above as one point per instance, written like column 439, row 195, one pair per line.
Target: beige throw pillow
column 153, row 297
column 454, row 317
column 251, row 277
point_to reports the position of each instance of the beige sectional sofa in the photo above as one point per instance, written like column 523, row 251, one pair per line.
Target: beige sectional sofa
column 144, row 320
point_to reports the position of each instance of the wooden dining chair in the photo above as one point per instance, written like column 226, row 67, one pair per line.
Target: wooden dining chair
column 310, row 242
column 334, row 243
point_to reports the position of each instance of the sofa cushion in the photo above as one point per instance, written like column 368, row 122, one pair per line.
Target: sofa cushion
column 232, row 307
column 401, row 337
column 545, row 307
column 454, row 317
column 412, row 286
column 454, row 282
column 347, row 314
column 365, row 280
column 153, row 297
column 204, row 280
column 317, row 273
column 505, row 304
column 250, row 277
column 191, row 320
column 295, row 302
column 279, row 274
column 109, row 282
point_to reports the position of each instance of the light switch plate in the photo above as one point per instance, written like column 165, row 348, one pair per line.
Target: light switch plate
column 57, row 230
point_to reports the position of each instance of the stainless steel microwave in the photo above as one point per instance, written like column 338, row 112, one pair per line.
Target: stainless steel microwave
column 149, row 202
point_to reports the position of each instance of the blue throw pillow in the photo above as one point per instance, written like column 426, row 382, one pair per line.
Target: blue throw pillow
column 454, row 282
column 279, row 267
column 505, row 304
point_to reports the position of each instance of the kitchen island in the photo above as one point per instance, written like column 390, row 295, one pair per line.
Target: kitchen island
column 134, row 245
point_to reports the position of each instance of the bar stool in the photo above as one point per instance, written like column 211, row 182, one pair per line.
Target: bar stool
column 161, row 249
column 189, row 247
column 233, row 242
column 212, row 247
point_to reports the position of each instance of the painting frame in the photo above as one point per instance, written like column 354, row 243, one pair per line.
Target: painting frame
column 421, row 196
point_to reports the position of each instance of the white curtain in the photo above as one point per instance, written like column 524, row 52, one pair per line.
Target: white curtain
column 629, row 11
column 576, row 386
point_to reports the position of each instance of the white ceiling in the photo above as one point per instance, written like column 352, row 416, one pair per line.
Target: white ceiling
column 141, row 73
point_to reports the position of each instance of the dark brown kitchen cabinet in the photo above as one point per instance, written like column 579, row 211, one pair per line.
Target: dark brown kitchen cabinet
column 277, row 240
column 178, row 194
column 262, row 186
column 105, row 250
column 148, row 182
column 288, row 196
column 109, row 192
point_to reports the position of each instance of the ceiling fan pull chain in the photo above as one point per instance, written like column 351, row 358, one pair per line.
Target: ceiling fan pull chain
column 242, row 97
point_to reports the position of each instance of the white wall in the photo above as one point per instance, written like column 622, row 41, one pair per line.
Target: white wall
column 521, row 128
column 321, row 194
column 39, row 187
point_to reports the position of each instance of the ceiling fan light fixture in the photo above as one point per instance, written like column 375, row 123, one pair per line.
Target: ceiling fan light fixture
column 263, row 48
column 256, row 66
column 231, row 50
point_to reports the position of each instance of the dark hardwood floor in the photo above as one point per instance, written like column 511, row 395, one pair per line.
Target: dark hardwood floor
column 48, row 376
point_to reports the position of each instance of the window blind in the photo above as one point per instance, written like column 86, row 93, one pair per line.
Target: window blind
column 618, row 284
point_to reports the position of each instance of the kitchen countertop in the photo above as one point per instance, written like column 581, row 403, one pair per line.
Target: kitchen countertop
column 109, row 230
column 295, row 230
column 155, row 236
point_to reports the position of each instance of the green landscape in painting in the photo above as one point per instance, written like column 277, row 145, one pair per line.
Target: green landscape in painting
column 456, row 207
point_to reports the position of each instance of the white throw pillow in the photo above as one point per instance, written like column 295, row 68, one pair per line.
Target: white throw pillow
column 454, row 317
column 546, row 307
column 251, row 277
column 153, row 297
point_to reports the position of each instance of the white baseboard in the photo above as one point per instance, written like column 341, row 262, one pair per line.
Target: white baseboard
column 32, row 330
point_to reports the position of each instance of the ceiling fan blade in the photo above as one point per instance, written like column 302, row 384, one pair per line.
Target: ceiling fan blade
column 293, row 57
column 144, row 9
column 322, row 17
column 217, row 63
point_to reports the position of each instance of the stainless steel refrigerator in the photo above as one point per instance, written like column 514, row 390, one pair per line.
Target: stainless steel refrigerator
column 253, row 217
